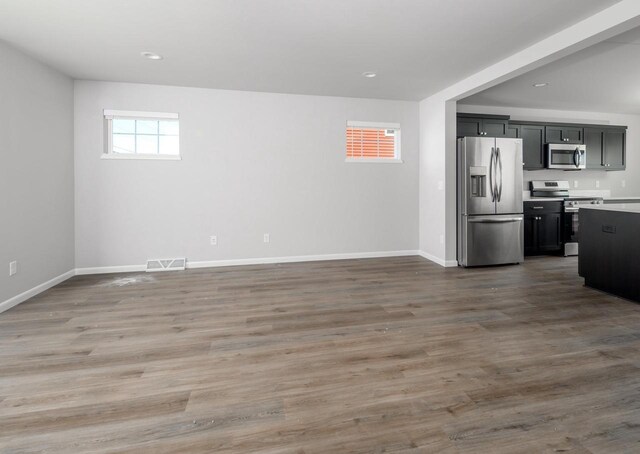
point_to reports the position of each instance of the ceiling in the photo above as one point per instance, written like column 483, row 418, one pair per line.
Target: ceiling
column 319, row 47
column 602, row 78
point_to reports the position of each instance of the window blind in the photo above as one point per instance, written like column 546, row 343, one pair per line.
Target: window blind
column 373, row 141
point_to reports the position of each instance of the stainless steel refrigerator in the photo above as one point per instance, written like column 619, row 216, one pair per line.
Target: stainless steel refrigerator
column 490, row 219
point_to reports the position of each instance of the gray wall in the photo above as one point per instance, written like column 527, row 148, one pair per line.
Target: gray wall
column 611, row 181
column 36, row 174
column 253, row 163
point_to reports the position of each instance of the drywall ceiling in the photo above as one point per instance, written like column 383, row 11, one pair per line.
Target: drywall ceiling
column 601, row 78
column 320, row 47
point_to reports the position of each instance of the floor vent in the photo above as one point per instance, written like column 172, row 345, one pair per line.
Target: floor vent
column 166, row 265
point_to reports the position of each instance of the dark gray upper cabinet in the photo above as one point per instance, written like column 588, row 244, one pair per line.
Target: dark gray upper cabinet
column 606, row 148
column 493, row 127
column 605, row 144
column 469, row 127
column 563, row 134
column 594, row 140
column 532, row 146
column 513, row 131
column 614, row 151
column 489, row 126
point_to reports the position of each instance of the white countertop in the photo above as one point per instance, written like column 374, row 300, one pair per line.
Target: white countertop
column 613, row 199
column 605, row 194
column 620, row 207
column 543, row 199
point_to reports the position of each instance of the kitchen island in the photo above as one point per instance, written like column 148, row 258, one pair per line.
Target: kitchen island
column 609, row 257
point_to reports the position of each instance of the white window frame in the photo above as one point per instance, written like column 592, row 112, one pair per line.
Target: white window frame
column 378, row 125
column 110, row 114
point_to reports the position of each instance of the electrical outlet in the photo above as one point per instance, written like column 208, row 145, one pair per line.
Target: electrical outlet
column 13, row 268
column 266, row 238
column 575, row 183
column 624, row 183
column 213, row 240
column 597, row 183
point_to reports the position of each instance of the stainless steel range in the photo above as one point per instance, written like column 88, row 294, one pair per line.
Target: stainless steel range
column 570, row 209
column 571, row 221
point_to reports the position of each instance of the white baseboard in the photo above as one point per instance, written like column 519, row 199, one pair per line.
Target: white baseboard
column 11, row 302
column 438, row 260
column 110, row 269
column 300, row 258
column 252, row 261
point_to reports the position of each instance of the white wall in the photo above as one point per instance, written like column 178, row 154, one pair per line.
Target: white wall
column 36, row 174
column 612, row 181
column 253, row 163
column 437, row 176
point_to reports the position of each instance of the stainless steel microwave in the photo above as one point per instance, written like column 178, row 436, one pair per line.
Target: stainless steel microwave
column 566, row 156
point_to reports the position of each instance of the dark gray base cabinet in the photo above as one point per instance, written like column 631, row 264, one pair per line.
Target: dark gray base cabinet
column 542, row 228
column 609, row 251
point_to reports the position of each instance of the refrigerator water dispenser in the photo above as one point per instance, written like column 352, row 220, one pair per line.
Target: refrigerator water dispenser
column 478, row 184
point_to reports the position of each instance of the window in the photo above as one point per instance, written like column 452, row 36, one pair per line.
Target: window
column 373, row 142
column 141, row 135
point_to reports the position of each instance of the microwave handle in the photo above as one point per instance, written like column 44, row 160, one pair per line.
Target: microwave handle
column 576, row 157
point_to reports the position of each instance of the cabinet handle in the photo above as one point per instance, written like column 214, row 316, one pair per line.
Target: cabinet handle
column 538, row 208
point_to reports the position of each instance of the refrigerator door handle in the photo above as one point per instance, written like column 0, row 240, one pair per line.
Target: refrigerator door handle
column 491, row 182
column 499, row 163
column 493, row 220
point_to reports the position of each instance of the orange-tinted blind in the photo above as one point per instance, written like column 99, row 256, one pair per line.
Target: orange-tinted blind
column 370, row 143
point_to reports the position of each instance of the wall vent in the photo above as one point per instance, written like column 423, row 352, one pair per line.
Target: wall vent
column 166, row 264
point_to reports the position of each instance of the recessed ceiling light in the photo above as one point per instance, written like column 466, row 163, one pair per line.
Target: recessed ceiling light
column 369, row 74
column 540, row 84
column 151, row 55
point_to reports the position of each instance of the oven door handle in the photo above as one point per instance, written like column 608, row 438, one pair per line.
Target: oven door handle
column 571, row 210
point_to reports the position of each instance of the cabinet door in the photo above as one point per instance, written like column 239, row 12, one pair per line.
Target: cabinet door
column 614, row 149
column 549, row 232
column 532, row 146
column 563, row 134
column 495, row 128
column 593, row 140
column 469, row 127
column 572, row 135
column 513, row 131
column 553, row 134
column 530, row 236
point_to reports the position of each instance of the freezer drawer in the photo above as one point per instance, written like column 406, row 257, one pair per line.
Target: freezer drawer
column 491, row 240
